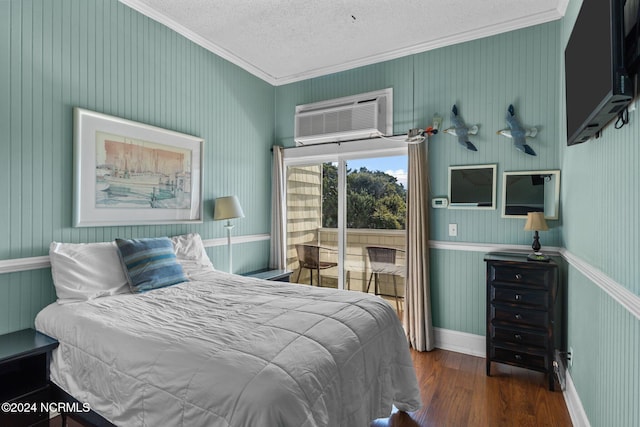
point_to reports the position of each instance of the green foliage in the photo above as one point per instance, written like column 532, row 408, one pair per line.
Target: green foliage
column 374, row 199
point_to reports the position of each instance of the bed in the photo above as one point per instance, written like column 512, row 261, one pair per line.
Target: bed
column 226, row 350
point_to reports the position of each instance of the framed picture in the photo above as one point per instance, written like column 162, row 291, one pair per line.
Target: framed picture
column 128, row 173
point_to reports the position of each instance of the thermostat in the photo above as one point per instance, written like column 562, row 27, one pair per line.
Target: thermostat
column 439, row 202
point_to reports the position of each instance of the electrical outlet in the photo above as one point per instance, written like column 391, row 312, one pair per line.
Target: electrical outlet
column 570, row 357
column 560, row 367
column 453, row 230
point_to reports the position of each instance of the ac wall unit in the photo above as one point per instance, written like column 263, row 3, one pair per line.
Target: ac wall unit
column 361, row 116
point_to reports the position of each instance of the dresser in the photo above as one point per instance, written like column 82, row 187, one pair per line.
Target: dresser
column 521, row 296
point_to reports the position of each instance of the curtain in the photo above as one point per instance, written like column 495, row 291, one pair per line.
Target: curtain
column 417, row 313
column 277, row 258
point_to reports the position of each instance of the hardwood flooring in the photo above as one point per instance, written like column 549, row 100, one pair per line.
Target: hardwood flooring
column 457, row 393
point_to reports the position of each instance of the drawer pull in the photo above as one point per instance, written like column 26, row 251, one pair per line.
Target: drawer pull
column 518, row 316
column 518, row 297
column 518, row 337
column 518, row 357
column 518, row 276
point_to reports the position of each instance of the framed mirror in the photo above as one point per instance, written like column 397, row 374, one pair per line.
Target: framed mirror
column 531, row 191
column 472, row 187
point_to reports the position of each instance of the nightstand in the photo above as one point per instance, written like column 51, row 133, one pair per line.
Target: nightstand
column 24, row 377
column 268, row 274
column 521, row 296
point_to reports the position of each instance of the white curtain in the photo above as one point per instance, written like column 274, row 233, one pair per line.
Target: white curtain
column 417, row 313
column 277, row 258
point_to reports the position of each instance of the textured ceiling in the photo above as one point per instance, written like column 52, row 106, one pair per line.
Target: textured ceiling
column 282, row 41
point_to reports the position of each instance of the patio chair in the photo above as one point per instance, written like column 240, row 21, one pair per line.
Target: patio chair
column 309, row 258
column 383, row 261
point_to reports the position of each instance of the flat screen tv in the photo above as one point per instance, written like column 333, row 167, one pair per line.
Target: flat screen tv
column 472, row 187
column 597, row 84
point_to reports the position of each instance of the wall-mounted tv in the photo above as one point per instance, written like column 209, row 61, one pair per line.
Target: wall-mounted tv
column 597, row 84
column 472, row 187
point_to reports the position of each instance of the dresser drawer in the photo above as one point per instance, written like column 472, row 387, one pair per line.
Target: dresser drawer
column 506, row 274
column 527, row 360
column 523, row 338
column 520, row 316
column 528, row 297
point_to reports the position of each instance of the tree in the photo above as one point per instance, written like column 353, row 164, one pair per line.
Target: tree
column 375, row 199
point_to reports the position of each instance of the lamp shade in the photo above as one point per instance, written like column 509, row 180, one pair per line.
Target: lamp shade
column 227, row 208
column 536, row 222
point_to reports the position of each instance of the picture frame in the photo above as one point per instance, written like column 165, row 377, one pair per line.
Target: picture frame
column 130, row 173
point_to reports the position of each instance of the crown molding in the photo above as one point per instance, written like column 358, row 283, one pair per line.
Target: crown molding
column 486, row 31
column 147, row 11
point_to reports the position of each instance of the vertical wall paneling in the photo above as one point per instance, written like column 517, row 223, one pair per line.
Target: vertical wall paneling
column 100, row 55
column 604, row 338
column 482, row 77
column 599, row 202
column 5, row 128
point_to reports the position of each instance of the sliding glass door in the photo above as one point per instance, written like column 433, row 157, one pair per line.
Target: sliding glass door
column 346, row 224
column 375, row 226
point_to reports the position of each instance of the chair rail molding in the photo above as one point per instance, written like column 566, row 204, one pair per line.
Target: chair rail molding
column 16, row 265
column 615, row 290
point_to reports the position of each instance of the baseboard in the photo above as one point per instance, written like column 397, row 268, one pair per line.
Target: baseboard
column 460, row 342
column 574, row 404
column 475, row 345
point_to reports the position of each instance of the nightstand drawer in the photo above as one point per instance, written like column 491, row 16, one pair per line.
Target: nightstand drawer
column 527, row 297
column 522, row 276
column 524, row 338
column 27, row 410
column 534, row 361
column 520, row 317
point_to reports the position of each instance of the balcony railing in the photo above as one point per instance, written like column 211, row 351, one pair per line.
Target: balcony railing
column 357, row 264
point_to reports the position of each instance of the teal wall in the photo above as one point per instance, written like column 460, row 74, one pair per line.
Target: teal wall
column 482, row 77
column 599, row 196
column 601, row 201
column 103, row 56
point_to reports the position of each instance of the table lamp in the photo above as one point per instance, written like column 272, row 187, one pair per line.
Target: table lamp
column 535, row 222
column 228, row 208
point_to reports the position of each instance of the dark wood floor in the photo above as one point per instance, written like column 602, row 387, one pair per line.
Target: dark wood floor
column 456, row 392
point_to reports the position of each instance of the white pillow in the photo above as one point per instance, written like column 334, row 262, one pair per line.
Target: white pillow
column 191, row 254
column 83, row 271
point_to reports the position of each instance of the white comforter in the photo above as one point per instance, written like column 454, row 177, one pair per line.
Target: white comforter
column 226, row 350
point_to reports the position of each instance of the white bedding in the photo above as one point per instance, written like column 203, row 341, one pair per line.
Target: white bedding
column 225, row 350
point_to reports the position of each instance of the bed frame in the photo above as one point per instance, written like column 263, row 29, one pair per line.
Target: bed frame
column 88, row 419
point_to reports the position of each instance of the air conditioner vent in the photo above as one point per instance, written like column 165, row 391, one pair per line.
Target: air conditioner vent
column 362, row 116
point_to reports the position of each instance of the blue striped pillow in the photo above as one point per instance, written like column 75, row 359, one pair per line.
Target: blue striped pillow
column 150, row 263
